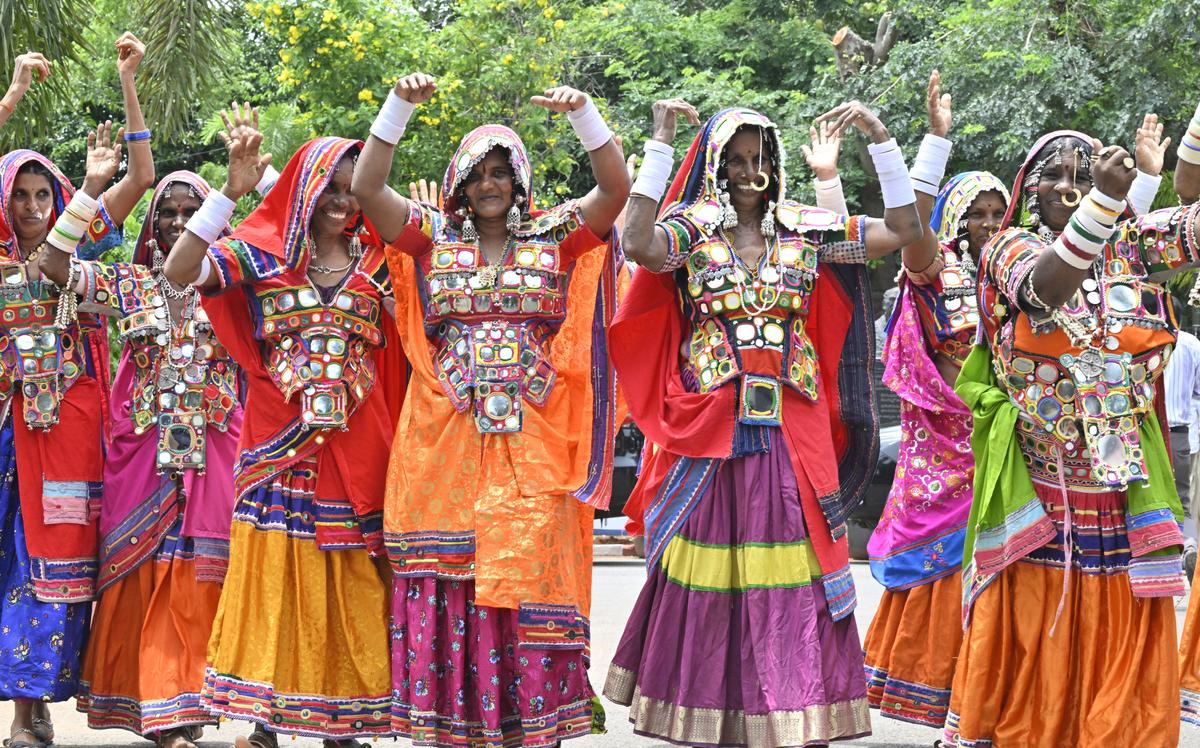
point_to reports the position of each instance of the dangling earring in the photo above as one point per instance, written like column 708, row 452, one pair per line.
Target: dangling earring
column 512, row 221
column 728, row 214
column 469, row 235
column 768, row 221
column 356, row 250
column 157, row 258
column 966, row 263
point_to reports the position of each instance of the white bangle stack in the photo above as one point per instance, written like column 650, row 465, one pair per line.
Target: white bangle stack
column 930, row 164
column 1142, row 191
column 1091, row 226
column 894, row 181
column 72, row 225
column 213, row 216
column 830, row 194
column 589, row 125
column 392, row 119
column 652, row 176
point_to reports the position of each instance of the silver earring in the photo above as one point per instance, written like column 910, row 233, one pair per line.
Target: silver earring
column 729, row 216
column 967, row 264
column 512, row 221
column 768, row 221
column 469, row 235
column 963, row 245
column 157, row 258
column 356, row 250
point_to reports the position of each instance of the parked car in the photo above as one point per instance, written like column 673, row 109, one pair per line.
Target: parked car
column 627, row 452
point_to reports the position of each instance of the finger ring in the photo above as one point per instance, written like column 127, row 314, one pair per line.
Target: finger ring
column 1129, row 163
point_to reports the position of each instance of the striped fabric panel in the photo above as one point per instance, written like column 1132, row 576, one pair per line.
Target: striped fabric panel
column 735, row 568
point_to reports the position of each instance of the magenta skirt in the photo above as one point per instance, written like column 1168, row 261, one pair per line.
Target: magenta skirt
column 461, row 677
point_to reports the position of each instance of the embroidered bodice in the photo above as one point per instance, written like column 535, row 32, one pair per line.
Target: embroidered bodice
column 315, row 349
column 949, row 307
column 184, row 381
column 35, row 354
column 492, row 325
column 1084, row 377
column 749, row 324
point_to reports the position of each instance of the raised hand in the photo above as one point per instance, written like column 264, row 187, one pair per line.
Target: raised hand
column 561, row 99
column 938, row 105
column 823, row 150
column 1149, row 146
column 130, row 51
column 416, row 88
column 26, row 68
column 246, row 164
column 858, row 114
column 666, row 118
column 103, row 157
column 425, row 191
column 1113, row 171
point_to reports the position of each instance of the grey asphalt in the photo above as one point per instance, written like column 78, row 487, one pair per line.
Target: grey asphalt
column 616, row 585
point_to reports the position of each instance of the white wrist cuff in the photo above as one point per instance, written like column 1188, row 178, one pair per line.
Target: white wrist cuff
column 392, row 119
column 1189, row 144
column 590, row 127
column 213, row 216
column 269, row 178
column 894, row 181
column 830, row 195
column 70, row 228
column 1142, row 192
column 930, row 165
column 652, row 176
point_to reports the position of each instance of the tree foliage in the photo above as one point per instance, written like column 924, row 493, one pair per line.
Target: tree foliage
column 1016, row 69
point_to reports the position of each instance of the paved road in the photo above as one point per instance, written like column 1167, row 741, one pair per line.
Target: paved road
column 616, row 587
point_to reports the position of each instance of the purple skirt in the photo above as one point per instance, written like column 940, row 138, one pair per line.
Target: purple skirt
column 731, row 642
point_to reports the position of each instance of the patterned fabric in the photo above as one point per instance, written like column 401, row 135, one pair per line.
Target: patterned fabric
column 56, row 383
column 736, row 638
column 919, row 537
column 323, row 382
column 747, row 379
column 1071, row 518
column 40, row 642
column 479, row 676
column 955, row 199
column 508, row 423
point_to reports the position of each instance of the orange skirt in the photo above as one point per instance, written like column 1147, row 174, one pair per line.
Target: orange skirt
column 1189, row 664
column 911, row 648
column 1108, row 677
column 144, row 662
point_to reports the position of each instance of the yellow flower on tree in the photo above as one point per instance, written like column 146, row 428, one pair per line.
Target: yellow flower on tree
column 366, row 95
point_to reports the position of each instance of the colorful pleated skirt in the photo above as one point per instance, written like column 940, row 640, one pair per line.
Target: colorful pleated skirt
column 40, row 642
column 1109, row 673
column 731, row 642
column 490, row 632
column 144, row 666
column 911, row 647
column 300, row 639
